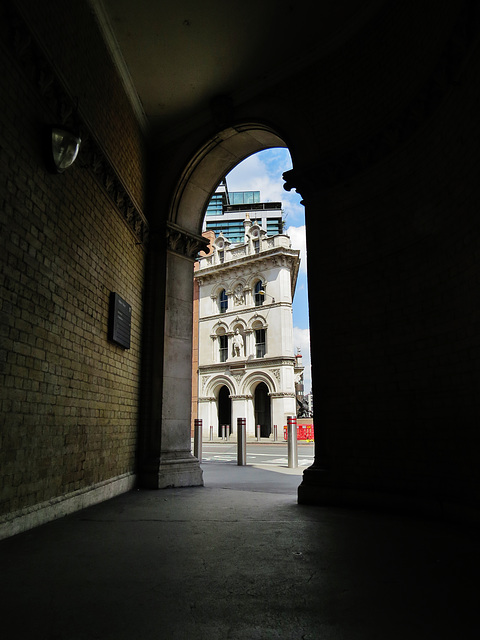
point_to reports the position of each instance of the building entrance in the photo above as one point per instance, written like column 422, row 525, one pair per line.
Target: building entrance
column 224, row 409
column 262, row 410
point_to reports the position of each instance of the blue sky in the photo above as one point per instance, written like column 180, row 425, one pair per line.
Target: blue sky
column 263, row 172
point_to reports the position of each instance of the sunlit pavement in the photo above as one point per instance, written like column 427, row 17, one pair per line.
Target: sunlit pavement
column 258, row 454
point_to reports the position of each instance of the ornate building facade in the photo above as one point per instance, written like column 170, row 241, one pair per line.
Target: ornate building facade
column 246, row 362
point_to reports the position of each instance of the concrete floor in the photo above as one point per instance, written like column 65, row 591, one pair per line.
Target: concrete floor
column 239, row 559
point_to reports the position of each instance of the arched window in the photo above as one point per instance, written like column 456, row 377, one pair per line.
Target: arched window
column 223, row 301
column 260, row 343
column 222, row 344
column 223, row 348
column 259, row 294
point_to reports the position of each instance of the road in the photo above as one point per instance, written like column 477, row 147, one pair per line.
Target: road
column 257, row 454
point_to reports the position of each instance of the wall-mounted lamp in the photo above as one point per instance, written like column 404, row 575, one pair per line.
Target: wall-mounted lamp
column 262, row 293
column 65, row 147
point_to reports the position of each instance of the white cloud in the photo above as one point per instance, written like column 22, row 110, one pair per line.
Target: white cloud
column 263, row 172
column 299, row 241
column 301, row 340
column 252, row 175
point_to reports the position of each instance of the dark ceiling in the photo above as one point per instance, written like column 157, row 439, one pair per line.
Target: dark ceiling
column 175, row 57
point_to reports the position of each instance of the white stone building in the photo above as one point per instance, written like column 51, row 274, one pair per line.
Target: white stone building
column 246, row 362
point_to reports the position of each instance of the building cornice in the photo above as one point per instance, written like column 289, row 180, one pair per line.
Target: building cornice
column 235, row 366
column 111, row 41
column 237, row 267
column 219, row 270
column 241, row 313
column 281, row 394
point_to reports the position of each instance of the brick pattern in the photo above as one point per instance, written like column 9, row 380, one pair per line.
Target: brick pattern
column 94, row 82
column 69, row 398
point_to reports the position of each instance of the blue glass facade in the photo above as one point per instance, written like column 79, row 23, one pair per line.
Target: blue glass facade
column 233, row 230
column 226, row 213
column 215, row 206
column 244, row 197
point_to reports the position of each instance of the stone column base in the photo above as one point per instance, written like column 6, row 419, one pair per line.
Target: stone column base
column 318, row 488
column 178, row 470
column 314, row 489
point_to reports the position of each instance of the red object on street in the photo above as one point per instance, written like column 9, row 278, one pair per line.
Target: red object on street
column 304, row 432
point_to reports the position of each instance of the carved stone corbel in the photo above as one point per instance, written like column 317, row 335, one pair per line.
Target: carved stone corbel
column 183, row 242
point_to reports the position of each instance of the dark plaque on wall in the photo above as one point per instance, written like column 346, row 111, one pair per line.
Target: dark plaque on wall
column 120, row 321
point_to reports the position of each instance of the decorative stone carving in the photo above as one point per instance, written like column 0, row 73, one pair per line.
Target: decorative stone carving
column 239, row 252
column 281, row 394
column 238, row 376
column 239, row 295
column 237, row 344
column 205, row 380
column 184, row 242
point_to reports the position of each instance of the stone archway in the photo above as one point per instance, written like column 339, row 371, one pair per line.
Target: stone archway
column 224, row 409
column 212, row 161
column 263, row 417
column 166, row 457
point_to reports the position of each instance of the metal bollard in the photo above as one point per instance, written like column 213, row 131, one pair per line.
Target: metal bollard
column 292, row 442
column 223, row 432
column 258, row 432
column 241, row 441
column 197, row 439
column 228, row 431
column 275, row 433
column 211, row 432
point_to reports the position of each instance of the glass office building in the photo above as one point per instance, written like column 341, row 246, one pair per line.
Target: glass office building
column 226, row 212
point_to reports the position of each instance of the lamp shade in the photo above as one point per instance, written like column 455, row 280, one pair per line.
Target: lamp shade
column 65, row 147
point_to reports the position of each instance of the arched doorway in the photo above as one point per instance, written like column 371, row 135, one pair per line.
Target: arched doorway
column 166, row 458
column 224, row 407
column 262, row 410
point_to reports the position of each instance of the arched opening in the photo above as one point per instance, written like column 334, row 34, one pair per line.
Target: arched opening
column 224, row 408
column 258, row 293
column 202, row 174
column 223, row 301
column 211, row 163
column 262, row 410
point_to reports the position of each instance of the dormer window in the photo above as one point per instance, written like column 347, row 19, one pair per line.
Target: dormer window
column 255, row 235
column 220, row 245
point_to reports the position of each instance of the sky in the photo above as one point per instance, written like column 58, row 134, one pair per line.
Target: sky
column 263, row 172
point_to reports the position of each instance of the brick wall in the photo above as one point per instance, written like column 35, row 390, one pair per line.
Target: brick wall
column 73, row 45
column 69, row 398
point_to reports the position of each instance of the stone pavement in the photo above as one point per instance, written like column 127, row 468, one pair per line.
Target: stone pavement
column 239, row 559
